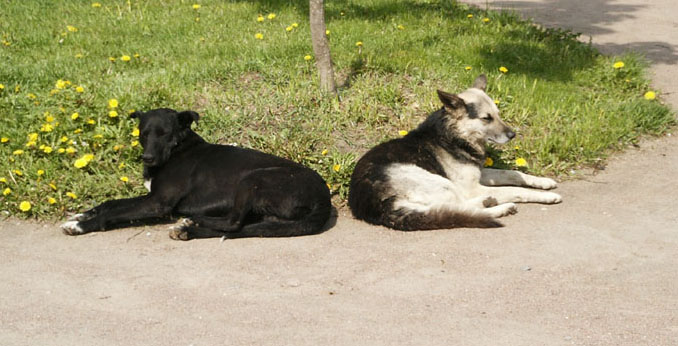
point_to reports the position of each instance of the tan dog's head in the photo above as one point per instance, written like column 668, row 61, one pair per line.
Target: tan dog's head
column 473, row 116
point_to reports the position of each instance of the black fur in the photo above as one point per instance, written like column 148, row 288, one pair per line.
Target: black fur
column 225, row 190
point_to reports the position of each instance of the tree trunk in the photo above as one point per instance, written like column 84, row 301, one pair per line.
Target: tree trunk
column 321, row 46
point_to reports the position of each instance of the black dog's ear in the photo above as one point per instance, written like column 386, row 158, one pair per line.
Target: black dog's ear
column 480, row 82
column 186, row 118
column 451, row 101
column 135, row 114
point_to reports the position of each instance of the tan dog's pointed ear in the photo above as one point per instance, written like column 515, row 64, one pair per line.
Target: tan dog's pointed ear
column 186, row 118
column 450, row 101
column 480, row 82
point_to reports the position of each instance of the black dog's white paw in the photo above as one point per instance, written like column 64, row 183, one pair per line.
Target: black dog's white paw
column 71, row 228
column 178, row 231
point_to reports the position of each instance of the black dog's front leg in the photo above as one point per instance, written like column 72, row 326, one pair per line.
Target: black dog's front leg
column 116, row 212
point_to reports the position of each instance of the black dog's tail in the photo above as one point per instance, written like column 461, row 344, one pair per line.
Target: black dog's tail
column 312, row 223
column 439, row 219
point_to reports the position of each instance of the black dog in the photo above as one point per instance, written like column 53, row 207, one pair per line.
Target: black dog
column 224, row 190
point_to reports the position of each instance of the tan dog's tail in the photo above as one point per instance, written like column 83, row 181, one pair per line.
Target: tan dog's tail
column 410, row 220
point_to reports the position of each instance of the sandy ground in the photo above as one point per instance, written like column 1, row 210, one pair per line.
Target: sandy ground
column 599, row 269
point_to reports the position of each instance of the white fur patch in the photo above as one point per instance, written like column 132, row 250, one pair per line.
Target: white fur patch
column 147, row 184
column 419, row 190
column 71, row 228
column 76, row 217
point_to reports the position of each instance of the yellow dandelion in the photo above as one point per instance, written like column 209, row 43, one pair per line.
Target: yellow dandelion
column 124, row 179
column 196, row 6
column 327, row 33
column 79, row 89
column 91, row 121
column 96, row 4
column 308, row 57
column 134, row 143
column 98, row 136
column 125, row 58
column 71, row 195
column 496, row 102
column 121, row 165
column 32, row 137
column 4, row 140
column 51, row 200
column 486, row 20
column 76, row 131
column 136, row 55
column 52, row 186
column 18, row 172
column 46, row 128
column 41, row 172
column 49, row 118
column 32, row 96
column 197, row 19
column 18, row 152
column 468, row 68
column 6, row 191
column 112, row 114
column 650, row 95
column 503, row 69
column 112, row 103
column 271, row 16
column 111, row 59
column 324, row 152
column 71, row 28
column 336, row 168
column 3, row 180
column 63, row 139
column 469, row 16
column 61, row 150
column 521, row 162
column 47, row 149
column 401, row 27
column 260, row 18
column 60, row 84
column 403, row 133
column 618, row 64
column 25, row 206
column 70, row 150
column 294, row 25
column 259, row 36
column 289, row 28
column 30, row 144
column 78, row 56
column 359, row 44
column 80, row 163
column 2, row 87
column 135, row 132
column 489, row 162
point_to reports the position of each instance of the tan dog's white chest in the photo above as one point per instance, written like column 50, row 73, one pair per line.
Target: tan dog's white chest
column 467, row 176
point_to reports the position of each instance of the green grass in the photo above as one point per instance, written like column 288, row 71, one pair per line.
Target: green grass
column 568, row 104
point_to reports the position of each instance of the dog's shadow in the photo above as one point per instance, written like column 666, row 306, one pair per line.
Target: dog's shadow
column 158, row 222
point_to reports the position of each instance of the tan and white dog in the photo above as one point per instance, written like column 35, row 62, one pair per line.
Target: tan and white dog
column 434, row 177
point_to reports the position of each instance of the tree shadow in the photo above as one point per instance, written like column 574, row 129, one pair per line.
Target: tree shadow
column 592, row 17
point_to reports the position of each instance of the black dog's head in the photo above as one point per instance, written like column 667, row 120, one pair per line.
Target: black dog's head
column 160, row 130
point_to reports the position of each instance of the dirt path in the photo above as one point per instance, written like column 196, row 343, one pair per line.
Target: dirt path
column 599, row 269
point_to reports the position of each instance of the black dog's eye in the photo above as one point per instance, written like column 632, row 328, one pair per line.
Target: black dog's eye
column 488, row 118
